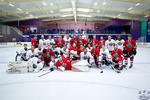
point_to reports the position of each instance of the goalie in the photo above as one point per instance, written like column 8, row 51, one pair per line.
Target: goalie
column 33, row 65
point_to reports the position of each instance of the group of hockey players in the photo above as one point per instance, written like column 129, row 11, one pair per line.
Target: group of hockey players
column 59, row 53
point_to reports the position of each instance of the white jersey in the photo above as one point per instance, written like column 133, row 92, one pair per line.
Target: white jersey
column 50, row 42
column 65, row 52
column 86, row 56
column 23, row 51
column 42, row 43
column 104, row 52
column 38, row 52
column 120, row 44
column 89, row 49
column 67, row 42
column 52, row 64
column 30, row 54
column 110, row 44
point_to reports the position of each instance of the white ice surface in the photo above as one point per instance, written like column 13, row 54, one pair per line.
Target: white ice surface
column 75, row 85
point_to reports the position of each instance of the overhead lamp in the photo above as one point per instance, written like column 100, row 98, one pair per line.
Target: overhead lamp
column 67, row 15
column 80, row 15
column 104, row 3
column 19, row 9
column 11, row 5
column 95, row 4
column 83, row 10
column 98, row 11
column 137, row 4
column 146, row 16
column 51, row 11
column 44, row 4
column 119, row 14
column 51, row 4
column 130, row 8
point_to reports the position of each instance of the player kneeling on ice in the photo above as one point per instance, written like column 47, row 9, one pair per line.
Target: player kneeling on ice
column 32, row 65
column 86, row 58
column 63, row 63
column 21, row 56
column 117, row 58
column 104, row 57
column 52, row 64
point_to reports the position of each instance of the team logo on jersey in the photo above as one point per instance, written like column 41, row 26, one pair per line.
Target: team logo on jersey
column 116, row 55
column 119, row 43
column 129, row 45
column 144, row 95
column 101, row 44
column 110, row 44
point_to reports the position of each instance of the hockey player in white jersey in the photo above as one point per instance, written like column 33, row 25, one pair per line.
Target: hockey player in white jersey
column 31, row 53
column 86, row 56
column 120, row 42
column 67, row 41
column 52, row 64
column 42, row 42
column 109, row 44
column 64, row 52
column 104, row 56
column 38, row 51
column 50, row 41
column 21, row 55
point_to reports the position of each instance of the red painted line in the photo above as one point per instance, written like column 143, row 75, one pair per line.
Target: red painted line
column 59, row 69
column 75, row 69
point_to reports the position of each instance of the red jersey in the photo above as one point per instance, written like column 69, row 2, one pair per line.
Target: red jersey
column 96, row 52
column 80, row 41
column 117, row 54
column 129, row 45
column 59, row 43
column 95, row 42
column 49, row 53
column 34, row 43
column 80, row 50
column 73, row 41
column 100, row 43
column 67, row 61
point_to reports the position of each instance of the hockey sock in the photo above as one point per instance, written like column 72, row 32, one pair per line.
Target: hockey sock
column 126, row 61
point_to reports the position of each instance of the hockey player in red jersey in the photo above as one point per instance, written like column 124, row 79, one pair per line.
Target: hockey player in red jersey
column 117, row 57
column 34, row 42
column 95, row 54
column 101, row 42
column 73, row 40
column 73, row 52
column 46, row 55
column 80, row 49
column 80, row 41
column 60, row 42
column 129, row 50
column 95, row 41
column 63, row 63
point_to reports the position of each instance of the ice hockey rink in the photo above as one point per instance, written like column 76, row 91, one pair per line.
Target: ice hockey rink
column 69, row 85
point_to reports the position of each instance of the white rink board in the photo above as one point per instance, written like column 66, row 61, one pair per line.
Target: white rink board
column 75, row 85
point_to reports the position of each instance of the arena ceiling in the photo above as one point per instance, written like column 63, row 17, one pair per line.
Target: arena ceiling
column 76, row 10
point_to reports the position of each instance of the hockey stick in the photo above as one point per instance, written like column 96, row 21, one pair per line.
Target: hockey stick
column 44, row 74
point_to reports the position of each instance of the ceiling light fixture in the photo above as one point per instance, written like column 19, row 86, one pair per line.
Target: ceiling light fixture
column 44, row 4
column 80, row 15
column 66, row 10
column 51, row 11
column 130, row 8
column 95, row 4
column 137, row 4
column 104, row 3
column 19, row 9
column 83, row 10
column 98, row 11
column 146, row 16
column 51, row 4
column 119, row 14
column 11, row 5
column 66, row 15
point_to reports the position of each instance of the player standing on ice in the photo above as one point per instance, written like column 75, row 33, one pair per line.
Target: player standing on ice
column 67, row 41
column 50, row 41
column 120, row 42
column 129, row 50
column 110, row 44
column 34, row 42
column 42, row 42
